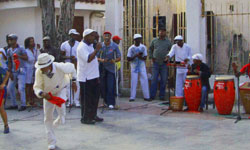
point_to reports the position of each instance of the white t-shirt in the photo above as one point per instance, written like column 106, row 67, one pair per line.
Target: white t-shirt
column 2, row 60
column 181, row 53
column 137, row 65
column 86, row 70
column 69, row 51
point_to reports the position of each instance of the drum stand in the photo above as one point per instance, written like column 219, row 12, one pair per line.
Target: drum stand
column 238, row 97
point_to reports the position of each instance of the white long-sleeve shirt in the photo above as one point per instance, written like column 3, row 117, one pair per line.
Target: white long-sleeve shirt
column 62, row 72
column 181, row 53
column 86, row 70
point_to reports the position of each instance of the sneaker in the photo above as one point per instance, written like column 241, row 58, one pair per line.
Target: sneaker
column 111, row 107
column 6, row 129
column 78, row 106
column 68, row 105
column 131, row 100
column 22, row 108
column 12, row 108
column 51, row 147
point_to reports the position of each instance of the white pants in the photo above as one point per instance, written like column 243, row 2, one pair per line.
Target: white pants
column 180, row 80
column 144, row 83
column 49, row 122
column 74, row 97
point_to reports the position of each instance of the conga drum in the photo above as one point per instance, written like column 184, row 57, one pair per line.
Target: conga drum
column 224, row 94
column 192, row 92
column 245, row 96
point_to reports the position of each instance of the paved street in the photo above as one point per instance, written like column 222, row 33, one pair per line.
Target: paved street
column 136, row 126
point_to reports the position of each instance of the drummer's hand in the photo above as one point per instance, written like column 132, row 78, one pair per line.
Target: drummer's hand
column 167, row 59
column 196, row 71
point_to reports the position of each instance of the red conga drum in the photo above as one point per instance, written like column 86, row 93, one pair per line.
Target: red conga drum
column 224, row 94
column 192, row 91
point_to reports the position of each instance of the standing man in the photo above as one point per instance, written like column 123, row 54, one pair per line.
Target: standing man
column 158, row 49
column 88, row 76
column 116, row 39
column 137, row 55
column 17, row 58
column 51, row 79
column 108, row 56
column 68, row 54
column 48, row 48
column 201, row 69
column 182, row 53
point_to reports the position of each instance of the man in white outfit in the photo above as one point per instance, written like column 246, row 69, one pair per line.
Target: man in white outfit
column 68, row 53
column 137, row 55
column 182, row 53
column 52, row 77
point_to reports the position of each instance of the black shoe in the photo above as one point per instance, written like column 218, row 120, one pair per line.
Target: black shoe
column 147, row 99
column 88, row 122
column 97, row 119
column 22, row 108
column 131, row 100
column 12, row 108
column 152, row 98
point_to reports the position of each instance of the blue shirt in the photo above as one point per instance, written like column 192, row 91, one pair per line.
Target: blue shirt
column 19, row 51
column 109, row 52
column 137, row 65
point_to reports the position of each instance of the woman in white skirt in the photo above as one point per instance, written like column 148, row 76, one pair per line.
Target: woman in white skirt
column 32, row 54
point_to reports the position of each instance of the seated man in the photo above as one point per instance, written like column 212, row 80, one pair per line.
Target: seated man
column 201, row 69
column 244, row 69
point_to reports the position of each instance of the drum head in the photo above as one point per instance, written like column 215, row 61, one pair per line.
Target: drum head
column 224, row 78
column 192, row 77
column 245, row 86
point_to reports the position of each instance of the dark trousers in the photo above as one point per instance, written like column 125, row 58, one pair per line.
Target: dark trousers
column 90, row 91
column 108, row 87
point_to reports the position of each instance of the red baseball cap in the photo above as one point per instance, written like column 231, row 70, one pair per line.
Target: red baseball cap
column 107, row 32
column 116, row 37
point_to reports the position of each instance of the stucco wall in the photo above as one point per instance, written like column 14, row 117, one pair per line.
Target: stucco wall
column 24, row 22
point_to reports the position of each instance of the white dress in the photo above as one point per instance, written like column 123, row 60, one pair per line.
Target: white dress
column 30, row 65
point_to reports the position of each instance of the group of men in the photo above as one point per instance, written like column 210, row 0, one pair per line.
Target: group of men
column 161, row 51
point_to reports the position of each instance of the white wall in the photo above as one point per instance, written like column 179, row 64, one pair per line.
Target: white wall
column 196, row 27
column 24, row 22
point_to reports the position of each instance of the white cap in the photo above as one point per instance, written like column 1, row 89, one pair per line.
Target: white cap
column 87, row 32
column 197, row 56
column 46, row 38
column 178, row 38
column 73, row 31
column 136, row 36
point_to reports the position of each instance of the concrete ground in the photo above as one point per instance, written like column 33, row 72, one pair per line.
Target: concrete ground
column 136, row 126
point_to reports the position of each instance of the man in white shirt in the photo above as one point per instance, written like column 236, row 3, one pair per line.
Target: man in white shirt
column 68, row 54
column 137, row 55
column 88, row 76
column 183, row 55
column 52, row 77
